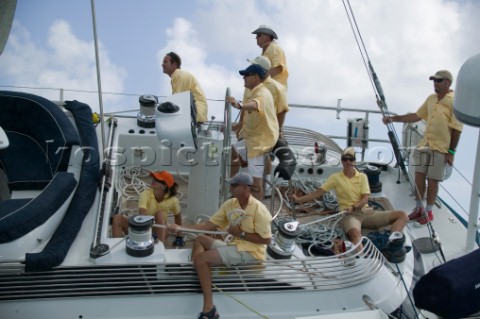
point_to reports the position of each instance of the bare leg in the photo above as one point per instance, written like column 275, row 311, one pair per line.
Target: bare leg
column 160, row 232
column 203, row 260
column 432, row 191
column 257, row 191
column 235, row 162
column 355, row 236
column 119, row 226
column 420, row 183
column 398, row 219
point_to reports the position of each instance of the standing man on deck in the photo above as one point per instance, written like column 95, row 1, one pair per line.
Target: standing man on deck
column 279, row 93
column 260, row 126
column 438, row 145
column 266, row 40
column 183, row 81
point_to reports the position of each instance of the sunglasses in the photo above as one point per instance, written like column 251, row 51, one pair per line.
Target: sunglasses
column 234, row 185
column 438, row 80
column 248, row 74
column 348, row 159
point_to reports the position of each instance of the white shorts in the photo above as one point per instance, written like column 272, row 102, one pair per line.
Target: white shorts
column 256, row 165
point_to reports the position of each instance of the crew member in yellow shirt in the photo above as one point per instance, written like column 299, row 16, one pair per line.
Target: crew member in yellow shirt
column 183, row 81
column 251, row 230
column 159, row 200
column 437, row 147
column 352, row 190
column 266, row 40
column 260, row 129
column 279, row 93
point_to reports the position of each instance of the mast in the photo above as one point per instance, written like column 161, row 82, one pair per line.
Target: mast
column 99, row 79
column 465, row 108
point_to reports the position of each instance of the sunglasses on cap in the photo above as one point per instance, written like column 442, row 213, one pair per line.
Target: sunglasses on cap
column 438, row 80
column 348, row 158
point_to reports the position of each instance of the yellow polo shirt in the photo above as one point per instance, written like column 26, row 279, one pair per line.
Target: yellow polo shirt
column 256, row 220
column 279, row 94
column 440, row 122
column 183, row 81
column 348, row 190
column 277, row 58
column 260, row 127
column 167, row 205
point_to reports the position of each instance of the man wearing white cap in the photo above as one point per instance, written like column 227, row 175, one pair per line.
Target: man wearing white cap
column 251, row 230
column 438, row 145
column 266, row 40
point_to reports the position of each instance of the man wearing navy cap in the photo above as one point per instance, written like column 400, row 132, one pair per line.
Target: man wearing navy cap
column 260, row 128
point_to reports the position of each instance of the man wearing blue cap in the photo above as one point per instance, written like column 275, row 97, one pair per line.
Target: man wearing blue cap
column 260, row 128
column 245, row 218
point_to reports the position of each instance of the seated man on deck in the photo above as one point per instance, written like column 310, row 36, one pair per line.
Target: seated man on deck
column 158, row 201
column 252, row 234
column 352, row 191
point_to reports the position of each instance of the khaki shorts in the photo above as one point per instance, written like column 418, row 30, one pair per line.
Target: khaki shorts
column 230, row 255
column 429, row 162
column 365, row 219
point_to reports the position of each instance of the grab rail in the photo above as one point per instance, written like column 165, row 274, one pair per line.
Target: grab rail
column 227, row 154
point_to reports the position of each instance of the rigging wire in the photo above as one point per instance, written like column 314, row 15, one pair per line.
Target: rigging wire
column 392, row 134
column 91, row 91
column 377, row 88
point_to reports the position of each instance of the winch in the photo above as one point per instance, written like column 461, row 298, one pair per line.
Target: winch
column 373, row 175
column 139, row 240
column 282, row 244
column 146, row 116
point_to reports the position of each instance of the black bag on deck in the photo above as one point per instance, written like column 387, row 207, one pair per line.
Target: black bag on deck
column 451, row 290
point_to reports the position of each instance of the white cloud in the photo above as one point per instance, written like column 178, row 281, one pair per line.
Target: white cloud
column 66, row 62
column 184, row 40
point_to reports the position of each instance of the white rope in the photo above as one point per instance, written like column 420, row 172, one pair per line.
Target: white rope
column 236, row 216
column 197, row 231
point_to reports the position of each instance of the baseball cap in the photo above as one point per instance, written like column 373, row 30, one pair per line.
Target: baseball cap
column 266, row 30
column 442, row 74
column 241, row 178
column 163, row 176
column 261, row 60
column 254, row 69
column 349, row 151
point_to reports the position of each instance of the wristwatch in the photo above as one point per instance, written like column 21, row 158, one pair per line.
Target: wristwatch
column 242, row 235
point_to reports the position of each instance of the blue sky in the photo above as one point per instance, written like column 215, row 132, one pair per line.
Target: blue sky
column 51, row 45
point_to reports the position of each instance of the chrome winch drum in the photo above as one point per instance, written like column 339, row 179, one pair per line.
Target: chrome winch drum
column 283, row 244
column 140, row 241
column 146, row 116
